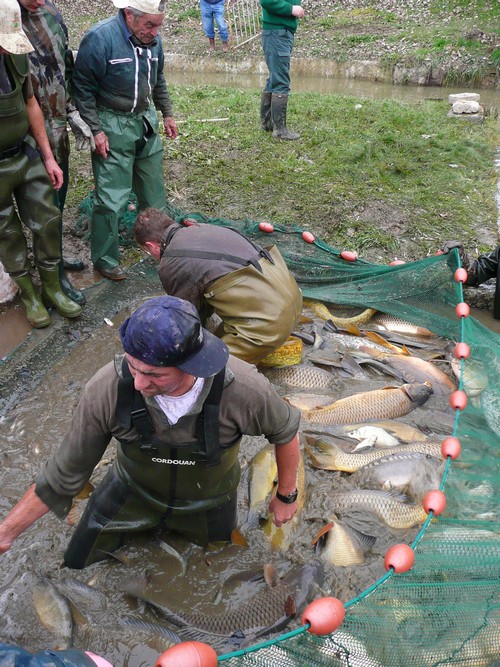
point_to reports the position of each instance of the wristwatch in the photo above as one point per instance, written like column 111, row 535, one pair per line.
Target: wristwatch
column 289, row 499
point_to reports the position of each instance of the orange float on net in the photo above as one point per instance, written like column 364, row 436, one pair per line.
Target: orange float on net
column 460, row 275
column 458, row 400
column 435, row 502
column 308, row 237
column 188, row 654
column 400, row 558
column 396, row 262
column 324, row 615
column 462, row 309
column 461, row 351
column 349, row 255
column 266, row 227
column 189, row 222
column 451, row 447
column 131, row 207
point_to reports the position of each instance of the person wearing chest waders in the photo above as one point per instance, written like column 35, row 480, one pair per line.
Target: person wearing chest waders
column 221, row 271
column 178, row 404
column 29, row 174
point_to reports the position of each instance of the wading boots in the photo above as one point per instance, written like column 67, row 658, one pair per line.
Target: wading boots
column 265, row 111
column 52, row 294
column 36, row 312
column 278, row 115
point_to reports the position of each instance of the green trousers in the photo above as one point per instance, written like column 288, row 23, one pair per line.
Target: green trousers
column 134, row 161
column 27, row 182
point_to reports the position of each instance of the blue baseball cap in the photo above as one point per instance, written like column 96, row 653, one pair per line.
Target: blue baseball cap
column 166, row 331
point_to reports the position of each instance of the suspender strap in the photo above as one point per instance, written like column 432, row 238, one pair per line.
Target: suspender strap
column 208, row 421
column 130, row 407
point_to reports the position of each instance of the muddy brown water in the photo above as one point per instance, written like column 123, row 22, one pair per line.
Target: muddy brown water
column 215, row 580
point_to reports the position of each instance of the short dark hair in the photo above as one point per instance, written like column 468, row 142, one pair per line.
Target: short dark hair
column 150, row 225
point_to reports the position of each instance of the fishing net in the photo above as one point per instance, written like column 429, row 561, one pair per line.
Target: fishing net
column 446, row 609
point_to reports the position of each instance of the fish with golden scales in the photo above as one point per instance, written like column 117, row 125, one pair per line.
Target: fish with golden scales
column 321, row 311
column 342, row 545
column 387, row 403
column 387, row 322
column 326, row 454
column 390, row 507
column 410, row 369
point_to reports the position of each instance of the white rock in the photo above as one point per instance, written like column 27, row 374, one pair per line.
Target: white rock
column 465, row 106
column 468, row 97
column 8, row 288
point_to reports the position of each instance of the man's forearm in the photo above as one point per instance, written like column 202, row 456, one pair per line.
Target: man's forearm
column 287, row 461
column 37, row 126
column 28, row 510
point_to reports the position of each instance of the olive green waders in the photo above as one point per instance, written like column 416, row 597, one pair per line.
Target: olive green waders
column 134, row 161
column 25, row 179
column 258, row 309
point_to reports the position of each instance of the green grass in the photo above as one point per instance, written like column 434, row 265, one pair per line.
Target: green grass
column 351, row 175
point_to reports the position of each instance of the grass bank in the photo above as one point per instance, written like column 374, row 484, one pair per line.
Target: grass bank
column 383, row 177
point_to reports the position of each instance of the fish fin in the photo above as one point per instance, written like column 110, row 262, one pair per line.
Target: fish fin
column 290, row 606
column 270, row 575
column 238, row 538
column 350, row 365
column 367, row 443
column 376, row 338
column 121, row 558
column 305, row 319
column 322, row 532
column 330, row 325
column 352, row 329
column 365, row 541
column 406, row 351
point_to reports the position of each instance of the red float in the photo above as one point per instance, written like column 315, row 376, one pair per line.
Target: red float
column 189, row 222
column 266, row 227
column 458, row 400
column 461, row 351
column 188, row 654
column 400, row 558
column 396, row 262
column 308, row 237
column 460, row 275
column 439, row 252
column 349, row 255
column 451, row 447
column 435, row 501
column 324, row 615
column 131, row 207
column 462, row 309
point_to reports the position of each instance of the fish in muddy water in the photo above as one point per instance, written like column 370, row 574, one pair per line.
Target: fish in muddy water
column 328, row 455
column 386, row 403
column 411, row 473
column 387, row 322
column 306, row 377
column 54, row 611
column 410, row 369
column 268, row 611
column 342, row 545
column 382, row 437
column 390, row 507
column 280, row 538
column 261, row 475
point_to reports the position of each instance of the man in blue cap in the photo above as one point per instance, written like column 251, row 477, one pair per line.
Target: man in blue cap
column 178, row 404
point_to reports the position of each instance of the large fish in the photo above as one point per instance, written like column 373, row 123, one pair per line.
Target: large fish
column 321, row 311
column 262, row 475
column 387, row 322
column 342, row 545
column 385, row 403
column 411, row 369
column 391, row 508
column 307, row 377
column 411, row 473
column 268, row 611
column 382, row 437
column 53, row 610
column 327, row 454
column 473, row 375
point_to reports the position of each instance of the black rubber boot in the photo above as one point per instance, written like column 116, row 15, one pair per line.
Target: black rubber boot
column 70, row 290
column 52, row 294
column 36, row 312
column 73, row 264
column 265, row 111
column 278, row 115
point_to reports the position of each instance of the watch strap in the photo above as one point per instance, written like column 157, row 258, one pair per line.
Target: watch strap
column 288, row 499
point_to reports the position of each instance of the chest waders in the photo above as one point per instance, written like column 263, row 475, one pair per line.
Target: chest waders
column 259, row 304
column 188, row 487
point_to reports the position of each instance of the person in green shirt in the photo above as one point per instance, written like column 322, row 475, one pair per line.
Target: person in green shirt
column 279, row 24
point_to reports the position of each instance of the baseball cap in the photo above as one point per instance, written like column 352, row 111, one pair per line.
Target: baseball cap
column 146, row 6
column 166, row 331
column 12, row 36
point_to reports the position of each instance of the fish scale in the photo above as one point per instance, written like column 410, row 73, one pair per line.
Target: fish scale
column 378, row 404
column 307, row 377
column 388, row 507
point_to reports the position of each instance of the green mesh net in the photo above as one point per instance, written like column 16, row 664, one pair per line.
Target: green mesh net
column 446, row 609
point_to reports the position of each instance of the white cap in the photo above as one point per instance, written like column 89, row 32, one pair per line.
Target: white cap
column 12, row 37
column 146, row 6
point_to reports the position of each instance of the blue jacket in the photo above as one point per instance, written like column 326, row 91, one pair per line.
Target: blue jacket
column 114, row 73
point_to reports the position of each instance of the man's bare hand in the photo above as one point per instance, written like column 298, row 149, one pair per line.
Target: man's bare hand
column 170, row 127
column 283, row 512
column 55, row 173
column 101, row 144
column 298, row 11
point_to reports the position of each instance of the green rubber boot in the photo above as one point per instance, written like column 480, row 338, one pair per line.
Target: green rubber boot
column 36, row 312
column 52, row 294
column 265, row 111
column 278, row 115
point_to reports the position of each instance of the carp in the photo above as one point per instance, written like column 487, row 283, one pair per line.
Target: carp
column 321, row 311
column 262, row 475
column 343, row 545
column 386, row 403
column 388, row 322
column 391, row 508
column 268, row 611
column 329, row 456
column 54, row 611
column 307, row 377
